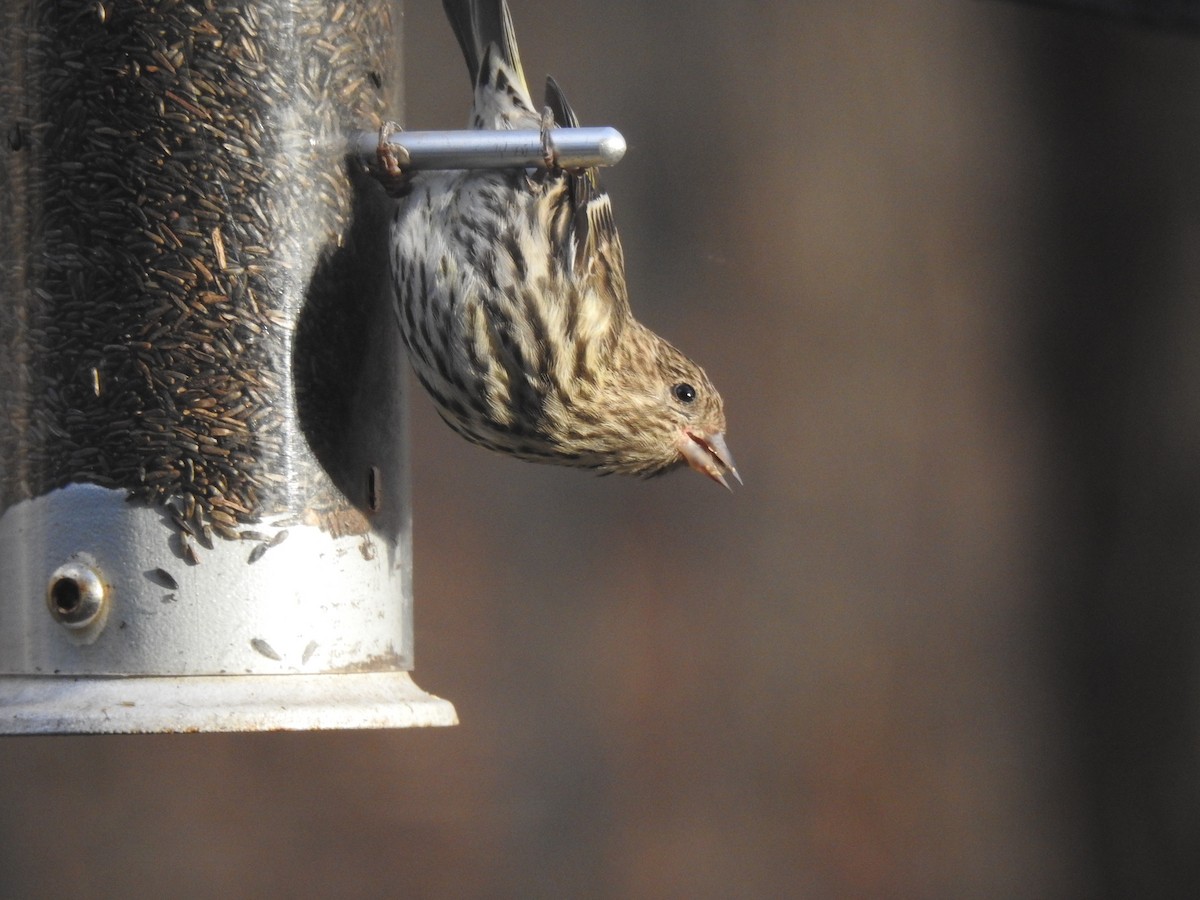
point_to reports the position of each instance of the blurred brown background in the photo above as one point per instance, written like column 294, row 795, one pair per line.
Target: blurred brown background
column 942, row 258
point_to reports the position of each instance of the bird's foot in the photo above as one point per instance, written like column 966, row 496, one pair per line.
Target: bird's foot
column 390, row 162
column 549, row 154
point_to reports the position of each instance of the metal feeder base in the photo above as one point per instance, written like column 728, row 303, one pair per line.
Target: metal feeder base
column 136, row 705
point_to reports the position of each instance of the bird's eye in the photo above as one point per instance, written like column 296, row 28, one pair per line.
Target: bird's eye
column 684, row 392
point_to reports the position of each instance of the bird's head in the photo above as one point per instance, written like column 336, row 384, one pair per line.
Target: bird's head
column 675, row 416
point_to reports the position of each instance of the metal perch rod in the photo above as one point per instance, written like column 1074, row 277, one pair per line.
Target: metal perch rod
column 570, row 148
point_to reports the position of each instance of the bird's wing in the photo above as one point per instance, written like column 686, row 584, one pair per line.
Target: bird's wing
column 590, row 244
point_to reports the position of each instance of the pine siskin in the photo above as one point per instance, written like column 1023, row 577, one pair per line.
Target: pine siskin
column 512, row 301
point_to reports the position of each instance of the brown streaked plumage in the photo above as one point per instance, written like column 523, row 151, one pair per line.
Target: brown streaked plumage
column 512, row 300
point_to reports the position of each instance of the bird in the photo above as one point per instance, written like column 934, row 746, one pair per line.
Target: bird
column 512, row 300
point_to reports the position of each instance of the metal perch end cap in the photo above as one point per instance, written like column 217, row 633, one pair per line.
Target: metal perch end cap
column 612, row 146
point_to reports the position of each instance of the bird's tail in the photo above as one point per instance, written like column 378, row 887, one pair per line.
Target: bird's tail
column 484, row 30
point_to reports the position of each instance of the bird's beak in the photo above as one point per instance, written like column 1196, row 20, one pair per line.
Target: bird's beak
column 708, row 455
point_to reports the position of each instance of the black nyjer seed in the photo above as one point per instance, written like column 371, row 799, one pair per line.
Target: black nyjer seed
column 181, row 174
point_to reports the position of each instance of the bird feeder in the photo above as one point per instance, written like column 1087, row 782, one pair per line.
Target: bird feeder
column 204, row 492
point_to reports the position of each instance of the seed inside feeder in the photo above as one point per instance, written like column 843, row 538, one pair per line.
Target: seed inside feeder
column 177, row 199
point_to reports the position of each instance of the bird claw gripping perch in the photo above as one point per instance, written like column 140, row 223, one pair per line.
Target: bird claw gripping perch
column 392, row 162
column 549, row 153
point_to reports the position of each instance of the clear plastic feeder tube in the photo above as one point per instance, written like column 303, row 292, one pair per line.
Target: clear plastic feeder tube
column 204, row 497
